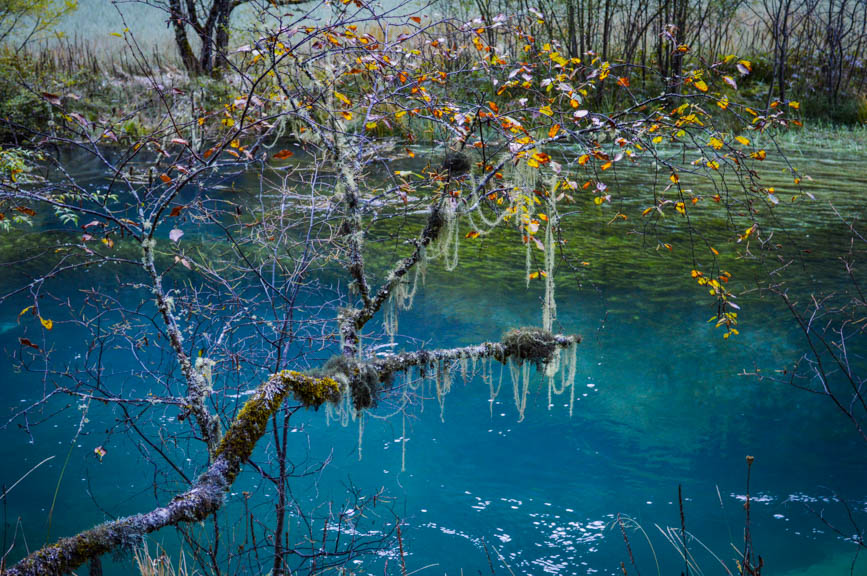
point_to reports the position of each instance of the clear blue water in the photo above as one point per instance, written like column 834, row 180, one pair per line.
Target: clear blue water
column 661, row 400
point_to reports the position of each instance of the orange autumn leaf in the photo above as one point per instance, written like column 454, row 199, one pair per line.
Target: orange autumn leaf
column 283, row 154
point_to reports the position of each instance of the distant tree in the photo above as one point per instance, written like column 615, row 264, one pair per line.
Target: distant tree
column 209, row 22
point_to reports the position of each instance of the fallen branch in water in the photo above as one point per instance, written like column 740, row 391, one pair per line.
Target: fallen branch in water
column 207, row 494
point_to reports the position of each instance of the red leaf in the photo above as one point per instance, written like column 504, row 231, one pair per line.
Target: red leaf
column 52, row 98
column 27, row 342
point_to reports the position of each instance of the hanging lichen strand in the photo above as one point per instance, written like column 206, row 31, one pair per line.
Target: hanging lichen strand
column 525, row 206
column 488, row 378
column 403, row 296
column 447, row 243
column 477, row 205
column 442, row 376
column 549, row 304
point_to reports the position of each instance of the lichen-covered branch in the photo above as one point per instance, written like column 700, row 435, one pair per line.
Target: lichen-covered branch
column 524, row 345
column 206, row 495
column 429, row 233
column 198, row 387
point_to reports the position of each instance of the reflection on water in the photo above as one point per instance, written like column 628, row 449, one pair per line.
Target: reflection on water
column 660, row 400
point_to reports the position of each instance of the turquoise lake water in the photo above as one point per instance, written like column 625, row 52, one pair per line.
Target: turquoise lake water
column 661, row 400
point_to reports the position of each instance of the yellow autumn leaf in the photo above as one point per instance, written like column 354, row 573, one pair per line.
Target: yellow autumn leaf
column 546, row 110
column 742, row 140
column 47, row 323
column 342, row 98
column 701, row 85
